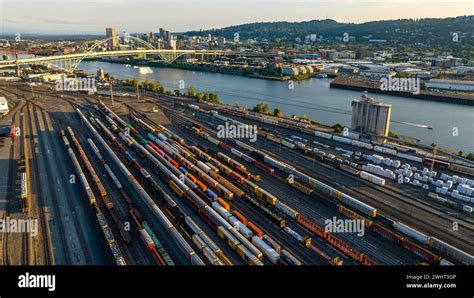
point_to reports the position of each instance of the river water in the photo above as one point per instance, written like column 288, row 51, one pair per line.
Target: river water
column 453, row 124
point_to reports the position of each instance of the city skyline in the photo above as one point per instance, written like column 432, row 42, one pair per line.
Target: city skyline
column 88, row 17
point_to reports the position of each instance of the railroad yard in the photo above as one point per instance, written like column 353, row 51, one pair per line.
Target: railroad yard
column 151, row 182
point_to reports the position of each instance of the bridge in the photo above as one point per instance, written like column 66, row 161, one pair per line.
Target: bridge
column 69, row 62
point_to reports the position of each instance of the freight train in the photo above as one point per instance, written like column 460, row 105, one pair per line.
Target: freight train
column 171, row 230
column 107, row 232
column 366, row 209
column 401, row 151
column 187, row 192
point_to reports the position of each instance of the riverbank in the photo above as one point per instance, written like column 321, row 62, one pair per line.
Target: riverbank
column 238, row 71
column 364, row 84
column 315, row 99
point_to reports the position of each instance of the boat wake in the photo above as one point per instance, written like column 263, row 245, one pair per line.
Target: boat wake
column 418, row 125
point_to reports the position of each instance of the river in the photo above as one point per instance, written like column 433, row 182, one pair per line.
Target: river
column 453, row 124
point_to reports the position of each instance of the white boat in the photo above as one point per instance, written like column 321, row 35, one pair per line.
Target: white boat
column 145, row 70
column 127, row 65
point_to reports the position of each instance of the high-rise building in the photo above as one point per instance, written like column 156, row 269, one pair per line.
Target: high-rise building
column 110, row 32
column 173, row 44
column 371, row 117
column 221, row 41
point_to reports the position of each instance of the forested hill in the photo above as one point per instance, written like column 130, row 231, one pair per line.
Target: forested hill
column 429, row 30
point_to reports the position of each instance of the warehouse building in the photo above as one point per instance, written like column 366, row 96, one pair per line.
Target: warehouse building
column 371, row 117
column 3, row 106
column 454, row 85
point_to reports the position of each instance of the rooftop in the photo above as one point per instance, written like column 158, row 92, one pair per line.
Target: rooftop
column 453, row 82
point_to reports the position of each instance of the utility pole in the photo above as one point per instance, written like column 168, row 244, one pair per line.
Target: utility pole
column 17, row 66
column 32, row 93
column 111, row 92
column 433, row 161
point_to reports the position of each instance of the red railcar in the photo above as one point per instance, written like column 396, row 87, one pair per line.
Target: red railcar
column 12, row 131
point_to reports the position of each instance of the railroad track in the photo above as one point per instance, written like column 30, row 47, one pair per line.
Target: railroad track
column 386, row 206
column 59, row 122
column 400, row 214
column 364, row 245
column 26, row 238
column 10, row 196
column 177, row 119
column 144, row 185
column 39, row 206
column 380, row 203
column 365, row 195
column 390, row 190
column 53, row 125
column 51, row 187
column 35, row 111
column 290, row 162
column 15, row 205
column 274, row 232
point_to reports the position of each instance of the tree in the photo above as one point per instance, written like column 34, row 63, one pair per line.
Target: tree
column 191, row 92
column 205, row 97
column 177, row 92
column 447, row 149
column 338, row 128
column 145, row 84
column 199, row 96
column 213, row 97
column 261, row 108
column 135, row 83
column 169, row 92
column 158, row 87
column 391, row 134
column 304, row 117
column 277, row 112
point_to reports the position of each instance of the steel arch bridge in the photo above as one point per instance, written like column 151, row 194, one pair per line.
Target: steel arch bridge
column 69, row 62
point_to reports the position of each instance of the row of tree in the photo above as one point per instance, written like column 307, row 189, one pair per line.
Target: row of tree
column 264, row 108
column 190, row 92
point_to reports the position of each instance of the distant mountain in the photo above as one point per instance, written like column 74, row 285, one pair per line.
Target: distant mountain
column 427, row 30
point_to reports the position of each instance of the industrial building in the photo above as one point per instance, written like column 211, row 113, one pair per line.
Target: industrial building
column 3, row 106
column 455, row 85
column 377, row 73
column 371, row 117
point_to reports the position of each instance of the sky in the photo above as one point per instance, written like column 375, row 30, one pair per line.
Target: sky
column 93, row 16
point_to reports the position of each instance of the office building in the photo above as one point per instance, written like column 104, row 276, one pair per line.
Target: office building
column 111, row 32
